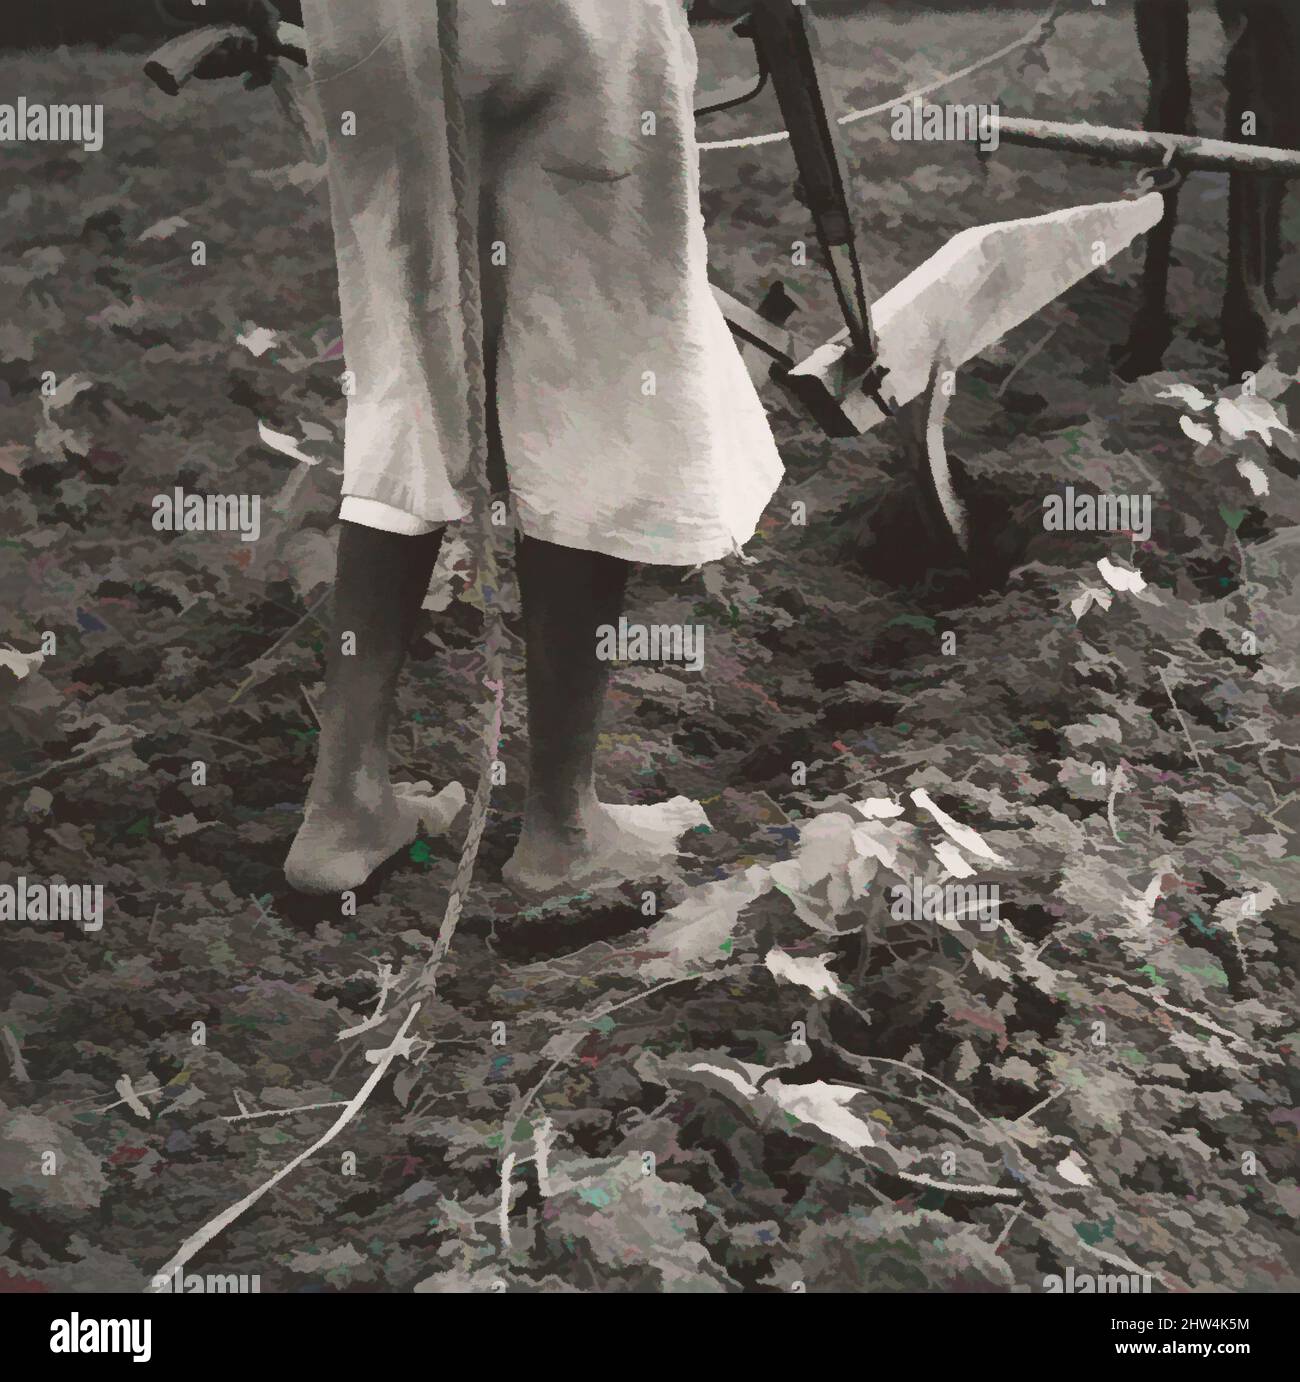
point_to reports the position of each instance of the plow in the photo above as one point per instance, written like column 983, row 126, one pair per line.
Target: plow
column 895, row 358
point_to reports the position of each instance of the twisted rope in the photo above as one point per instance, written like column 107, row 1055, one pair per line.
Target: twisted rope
column 459, row 147
column 485, row 534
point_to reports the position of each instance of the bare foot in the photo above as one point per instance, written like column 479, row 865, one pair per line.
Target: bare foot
column 339, row 847
column 610, row 845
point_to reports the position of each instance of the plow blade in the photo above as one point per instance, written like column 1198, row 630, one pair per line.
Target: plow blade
column 981, row 284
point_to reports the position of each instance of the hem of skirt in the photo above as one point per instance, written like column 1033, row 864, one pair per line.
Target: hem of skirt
column 452, row 510
column 645, row 551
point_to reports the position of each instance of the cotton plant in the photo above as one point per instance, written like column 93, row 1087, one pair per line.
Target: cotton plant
column 1118, row 579
column 1243, row 424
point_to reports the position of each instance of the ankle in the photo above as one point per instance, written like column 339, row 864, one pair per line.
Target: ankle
column 350, row 773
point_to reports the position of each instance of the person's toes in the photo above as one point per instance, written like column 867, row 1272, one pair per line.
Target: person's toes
column 331, row 854
column 620, row 844
column 435, row 811
column 651, row 832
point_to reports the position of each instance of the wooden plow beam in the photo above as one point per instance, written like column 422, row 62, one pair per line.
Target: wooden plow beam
column 1182, row 151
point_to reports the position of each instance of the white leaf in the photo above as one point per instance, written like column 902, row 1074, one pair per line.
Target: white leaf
column 827, row 872
column 1071, row 1169
column 283, row 443
column 1087, row 597
column 1238, row 417
column 65, row 391
column 1198, row 431
column 963, row 834
column 951, row 858
column 809, row 971
column 176, row 828
column 131, row 1098
column 258, row 341
column 1119, row 577
column 879, row 843
column 1185, row 393
column 20, row 664
column 693, row 933
column 399, row 1046
column 1236, row 908
column 1254, row 476
column 737, row 1079
column 822, row 1105
column 161, row 230
column 878, row 808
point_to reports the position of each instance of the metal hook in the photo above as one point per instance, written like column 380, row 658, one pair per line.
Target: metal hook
column 1163, row 179
column 1166, row 178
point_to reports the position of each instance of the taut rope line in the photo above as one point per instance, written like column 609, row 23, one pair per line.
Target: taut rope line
column 1041, row 31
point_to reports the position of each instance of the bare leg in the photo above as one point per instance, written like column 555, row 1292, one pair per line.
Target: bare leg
column 354, row 819
column 569, row 837
column 567, row 595
column 1162, row 30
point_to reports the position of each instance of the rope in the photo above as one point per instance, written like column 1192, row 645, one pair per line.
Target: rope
column 459, row 146
column 1036, row 36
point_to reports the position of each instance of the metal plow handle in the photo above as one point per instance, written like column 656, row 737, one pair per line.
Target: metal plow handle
column 217, row 50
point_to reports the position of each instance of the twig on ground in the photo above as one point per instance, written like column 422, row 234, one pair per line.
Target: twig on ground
column 256, row 665
column 950, row 1187
column 76, row 760
column 1042, row 1104
column 503, row 1217
column 15, row 1055
column 311, row 705
column 1023, row 361
column 1008, row 1226
column 282, row 1112
column 376, row 1018
column 1181, row 719
column 1150, row 994
column 399, row 1046
column 542, row 1136
column 1110, row 799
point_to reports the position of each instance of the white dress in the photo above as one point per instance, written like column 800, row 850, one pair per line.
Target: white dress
column 628, row 422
